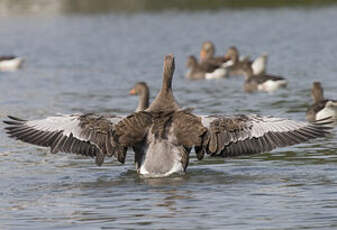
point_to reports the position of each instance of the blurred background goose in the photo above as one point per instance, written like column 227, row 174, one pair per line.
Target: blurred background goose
column 236, row 63
column 10, row 63
column 322, row 108
column 197, row 71
column 263, row 82
column 207, row 54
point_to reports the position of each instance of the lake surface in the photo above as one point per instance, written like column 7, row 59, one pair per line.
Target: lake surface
column 85, row 63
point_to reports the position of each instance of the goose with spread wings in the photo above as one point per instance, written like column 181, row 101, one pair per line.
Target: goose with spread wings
column 163, row 135
column 85, row 134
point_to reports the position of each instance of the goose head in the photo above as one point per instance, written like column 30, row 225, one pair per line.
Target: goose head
column 232, row 54
column 207, row 50
column 142, row 90
column 317, row 92
column 191, row 62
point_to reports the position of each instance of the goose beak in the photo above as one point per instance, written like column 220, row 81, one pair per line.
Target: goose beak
column 133, row 92
column 203, row 55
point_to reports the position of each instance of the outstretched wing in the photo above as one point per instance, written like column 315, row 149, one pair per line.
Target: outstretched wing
column 88, row 134
column 251, row 134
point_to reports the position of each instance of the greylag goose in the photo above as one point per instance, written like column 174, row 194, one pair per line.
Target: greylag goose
column 10, row 63
column 322, row 108
column 142, row 90
column 201, row 71
column 64, row 128
column 210, row 67
column 207, row 57
column 263, row 82
column 236, row 64
column 162, row 136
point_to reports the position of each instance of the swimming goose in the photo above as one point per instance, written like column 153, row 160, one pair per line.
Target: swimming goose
column 322, row 108
column 10, row 63
column 142, row 90
column 263, row 82
column 236, row 65
column 210, row 67
column 207, row 53
column 163, row 135
column 202, row 71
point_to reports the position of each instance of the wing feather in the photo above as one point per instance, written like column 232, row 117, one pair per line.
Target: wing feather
column 251, row 134
column 88, row 134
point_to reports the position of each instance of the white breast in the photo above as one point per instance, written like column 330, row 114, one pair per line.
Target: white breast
column 176, row 168
column 216, row 74
column 162, row 158
column 10, row 65
column 271, row 86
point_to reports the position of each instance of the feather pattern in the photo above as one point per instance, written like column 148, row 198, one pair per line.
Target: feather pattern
column 251, row 134
column 89, row 134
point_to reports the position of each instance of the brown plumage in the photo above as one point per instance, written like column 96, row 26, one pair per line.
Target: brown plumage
column 165, row 99
column 142, row 90
column 196, row 71
column 262, row 82
column 251, row 134
column 89, row 134
column 163, row 135
column 209, row 62
column 204, row 70
column 322, row 107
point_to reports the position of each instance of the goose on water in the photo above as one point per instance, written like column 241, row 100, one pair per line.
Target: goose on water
column 215, row 67
column 322, row 108
column 210, row 67
column 263, row 82
column 10, row 63
column 237, row 64
column 163, row 135
column 207, row 55
column 199, row 71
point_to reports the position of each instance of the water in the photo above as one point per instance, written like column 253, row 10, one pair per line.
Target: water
column 85, row 63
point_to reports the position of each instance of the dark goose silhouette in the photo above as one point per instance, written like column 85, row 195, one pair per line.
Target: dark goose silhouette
column 163, row 135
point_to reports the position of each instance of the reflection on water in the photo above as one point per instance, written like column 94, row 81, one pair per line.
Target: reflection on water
column 89, row 63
